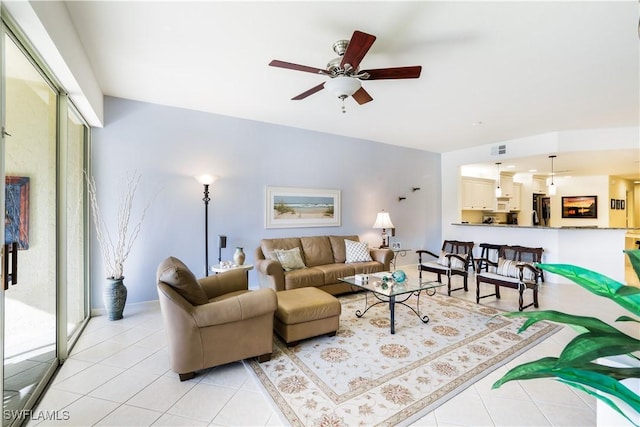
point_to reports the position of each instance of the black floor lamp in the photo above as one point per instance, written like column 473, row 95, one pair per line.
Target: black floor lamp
column 206, row 181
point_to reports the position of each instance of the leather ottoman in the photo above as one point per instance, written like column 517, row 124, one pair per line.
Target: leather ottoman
column 304, row 313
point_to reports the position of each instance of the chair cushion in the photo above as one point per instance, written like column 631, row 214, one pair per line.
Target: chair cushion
column 174, row 273
column 455, row 262
column 356, row 251
column 507, row 267
column 290, row 259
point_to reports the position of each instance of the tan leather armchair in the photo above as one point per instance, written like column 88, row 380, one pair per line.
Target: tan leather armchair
column 213, row 320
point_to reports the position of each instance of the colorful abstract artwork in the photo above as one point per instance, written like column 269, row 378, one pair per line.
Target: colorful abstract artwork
column 16, row 216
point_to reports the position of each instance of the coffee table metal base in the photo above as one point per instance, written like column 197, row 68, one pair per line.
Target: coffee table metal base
column 392, row 301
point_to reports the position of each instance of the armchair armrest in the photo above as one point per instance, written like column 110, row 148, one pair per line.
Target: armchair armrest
column 422, row 252
column 535, row 271
column 270, row 274
column 382, row 255
column 240, row 307
column 466, row 261
column 224, row 283
column 484, row 263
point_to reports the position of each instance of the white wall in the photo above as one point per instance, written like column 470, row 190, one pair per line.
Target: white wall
column 170, row 145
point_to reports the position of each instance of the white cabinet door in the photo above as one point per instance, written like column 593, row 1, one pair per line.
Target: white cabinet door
column 540, row 186
column 506, row 184
column 515, row 201
column 478, row 194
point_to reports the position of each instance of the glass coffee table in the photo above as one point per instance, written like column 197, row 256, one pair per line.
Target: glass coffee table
column 392, row 293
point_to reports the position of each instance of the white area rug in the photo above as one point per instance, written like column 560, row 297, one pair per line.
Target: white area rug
column 366, row 376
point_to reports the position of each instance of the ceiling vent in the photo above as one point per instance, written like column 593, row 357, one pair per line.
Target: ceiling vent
column 498, row 150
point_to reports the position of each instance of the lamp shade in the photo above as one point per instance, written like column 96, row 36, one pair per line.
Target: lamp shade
column 342, row 86
column 383, row 220
column 206, row 179
column 553, row 189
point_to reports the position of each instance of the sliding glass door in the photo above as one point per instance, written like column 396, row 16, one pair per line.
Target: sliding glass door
column 44, row 294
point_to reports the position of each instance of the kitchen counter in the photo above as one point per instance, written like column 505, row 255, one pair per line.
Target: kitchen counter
column 598, row 249
column 543, row 227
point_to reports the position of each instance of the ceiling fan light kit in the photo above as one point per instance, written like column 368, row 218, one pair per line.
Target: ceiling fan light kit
column 345, row 72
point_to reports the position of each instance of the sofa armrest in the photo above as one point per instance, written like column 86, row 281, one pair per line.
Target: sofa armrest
column 224, row 283
column 382, row 255
column 270, row 274
column 235, row 309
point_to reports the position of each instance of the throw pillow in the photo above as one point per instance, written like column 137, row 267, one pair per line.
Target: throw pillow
column 507, row 267
column 290, row 259
column 174, row 273
column 455, row 262
column 356, row 251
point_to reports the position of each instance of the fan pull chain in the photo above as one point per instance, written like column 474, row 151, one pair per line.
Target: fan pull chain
column 344, row 110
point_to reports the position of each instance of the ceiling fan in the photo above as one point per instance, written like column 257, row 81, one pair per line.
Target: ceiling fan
column 344, row 71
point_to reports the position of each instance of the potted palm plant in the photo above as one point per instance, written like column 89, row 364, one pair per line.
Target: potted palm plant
column 115, row 248
column 582, row 363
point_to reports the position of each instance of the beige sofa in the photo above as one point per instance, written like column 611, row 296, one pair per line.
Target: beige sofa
column 324, row 260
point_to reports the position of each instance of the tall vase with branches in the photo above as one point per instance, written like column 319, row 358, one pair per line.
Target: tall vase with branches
column 115, row 248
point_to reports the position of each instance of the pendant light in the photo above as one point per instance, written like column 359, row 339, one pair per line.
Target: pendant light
column 552, row 186
column 498, row 188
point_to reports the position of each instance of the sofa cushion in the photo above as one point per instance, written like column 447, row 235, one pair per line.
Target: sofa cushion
column 302, row 278
column 356, row 251
column 174, row 273
column 338, row 247
column 317, row 250
column 290, row 259
column 268, row 246
column 367, row 267
column 333, row 272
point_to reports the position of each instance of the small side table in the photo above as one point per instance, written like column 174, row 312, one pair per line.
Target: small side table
column 399, row 252
column 217, row 269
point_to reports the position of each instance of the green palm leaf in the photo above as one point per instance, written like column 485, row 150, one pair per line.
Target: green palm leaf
column 598, row 284
column 590, row 346
column 634, row 257
column 588, row 323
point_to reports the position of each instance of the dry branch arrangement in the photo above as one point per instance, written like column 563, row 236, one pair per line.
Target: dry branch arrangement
column 116, row 250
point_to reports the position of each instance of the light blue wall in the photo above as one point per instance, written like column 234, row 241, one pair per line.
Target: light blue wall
column 170, row 145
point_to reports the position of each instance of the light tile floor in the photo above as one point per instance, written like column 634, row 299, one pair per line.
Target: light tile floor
column 118, row 375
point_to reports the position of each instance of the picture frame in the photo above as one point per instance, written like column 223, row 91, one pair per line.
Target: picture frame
column 580, row 206
column 16, row 217
column 289, row 207
column 396, row 246
column 613, row 203
column 618, row 204
column 622, row 204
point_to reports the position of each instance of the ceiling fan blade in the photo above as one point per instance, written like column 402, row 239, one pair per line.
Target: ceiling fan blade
column 358, row 47
column 362, row 96
column 394, row 73
column 311, row 91
column 297, row 67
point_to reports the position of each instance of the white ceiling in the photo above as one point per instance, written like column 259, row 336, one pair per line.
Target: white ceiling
column 520, row 68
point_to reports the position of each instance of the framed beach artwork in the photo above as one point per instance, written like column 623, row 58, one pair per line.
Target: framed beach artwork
column 288, row 207
column 16, row 215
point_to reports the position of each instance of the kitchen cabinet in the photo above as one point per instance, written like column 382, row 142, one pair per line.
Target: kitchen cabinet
column 516, row 199
column 506, row 184
column 539, row 185
column 478, row 194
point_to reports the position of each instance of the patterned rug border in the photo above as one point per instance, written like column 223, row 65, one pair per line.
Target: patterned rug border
column 420, row 407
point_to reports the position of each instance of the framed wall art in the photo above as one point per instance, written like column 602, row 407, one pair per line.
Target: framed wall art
column 16, row 216
column 618, row 204
column 580, row 207
column 613, row 203
column 288, row 207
